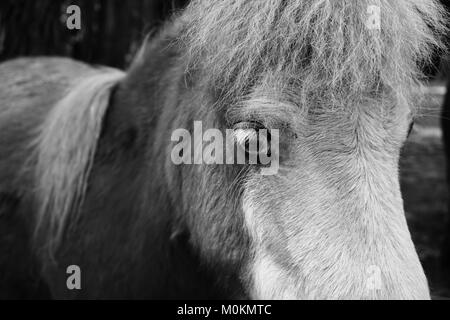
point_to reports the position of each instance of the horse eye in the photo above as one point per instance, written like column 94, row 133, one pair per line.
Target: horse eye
column 254, row 139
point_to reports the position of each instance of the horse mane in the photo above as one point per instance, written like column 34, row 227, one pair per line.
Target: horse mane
column 65, row 147
column 324, row 47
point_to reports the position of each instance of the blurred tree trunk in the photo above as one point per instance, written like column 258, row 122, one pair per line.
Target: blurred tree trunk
column 110, row 29
column 445, row 120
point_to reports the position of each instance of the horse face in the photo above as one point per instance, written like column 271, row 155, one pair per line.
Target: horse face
column 327, row 222
column 331, row 223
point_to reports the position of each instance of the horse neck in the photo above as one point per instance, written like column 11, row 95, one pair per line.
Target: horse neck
column 149, row 96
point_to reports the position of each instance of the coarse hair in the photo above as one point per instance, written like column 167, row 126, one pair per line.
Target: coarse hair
column 326, row 47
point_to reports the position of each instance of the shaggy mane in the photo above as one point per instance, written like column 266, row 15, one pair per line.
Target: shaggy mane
column 323, row 46
column 65, row 148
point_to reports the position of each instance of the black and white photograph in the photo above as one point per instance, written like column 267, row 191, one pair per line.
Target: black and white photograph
column 236, row 151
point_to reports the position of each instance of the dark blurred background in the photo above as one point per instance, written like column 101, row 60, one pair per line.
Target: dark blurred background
column 112, row 30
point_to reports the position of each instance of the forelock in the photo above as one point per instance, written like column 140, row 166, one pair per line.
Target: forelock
column 324, row 46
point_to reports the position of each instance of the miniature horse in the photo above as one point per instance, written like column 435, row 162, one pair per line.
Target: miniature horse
column 86, row 166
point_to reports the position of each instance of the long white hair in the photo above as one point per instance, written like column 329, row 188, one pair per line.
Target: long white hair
column 326, row 47
column 65, row 149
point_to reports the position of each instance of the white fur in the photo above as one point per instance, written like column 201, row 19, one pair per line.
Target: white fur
column 328, row 248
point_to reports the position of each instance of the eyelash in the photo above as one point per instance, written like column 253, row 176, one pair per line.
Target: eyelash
column 411, row 127
column 245, row 143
